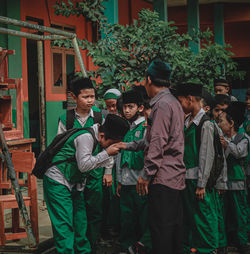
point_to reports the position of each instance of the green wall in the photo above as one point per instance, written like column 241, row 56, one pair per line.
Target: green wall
column 53, row 110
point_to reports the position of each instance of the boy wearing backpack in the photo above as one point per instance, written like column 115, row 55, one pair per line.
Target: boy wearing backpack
column 64, row 182
column 236, row 146
column 134, row 235
column 209, row 101
column 200, row 218
column 85, row 115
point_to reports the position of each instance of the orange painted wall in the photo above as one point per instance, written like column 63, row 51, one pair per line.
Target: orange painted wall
column 37, row 9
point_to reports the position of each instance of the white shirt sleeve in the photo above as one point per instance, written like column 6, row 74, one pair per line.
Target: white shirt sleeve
column 85, row 160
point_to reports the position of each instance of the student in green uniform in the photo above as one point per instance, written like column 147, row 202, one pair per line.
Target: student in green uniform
column 134, row 235
column 64, row 183
column 221, row 102
column 200, row 217
column 236, row 146
column 246, row 126
column 208, row 103
column 85, row 115
column 221, row 86
column 110, row 97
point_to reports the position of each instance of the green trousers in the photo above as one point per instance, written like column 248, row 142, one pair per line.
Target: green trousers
column 68, row 217
column 220, row 207
column 248, row 216
column 236, row 209
column 93, row 195
column 200, row 220
column 134, row 218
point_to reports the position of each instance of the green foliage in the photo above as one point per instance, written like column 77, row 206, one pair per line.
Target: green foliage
column 92, row 10
column 125, row 53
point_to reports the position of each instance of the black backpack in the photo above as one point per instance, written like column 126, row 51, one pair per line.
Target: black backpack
column 44, row 161
column 71, row 117
column 218, row 163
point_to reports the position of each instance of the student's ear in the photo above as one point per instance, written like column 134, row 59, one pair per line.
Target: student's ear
column 227, row 89
column 232, row 123
column 101, row 136
column 73, row 96
column 149, row 81
column 141, row 108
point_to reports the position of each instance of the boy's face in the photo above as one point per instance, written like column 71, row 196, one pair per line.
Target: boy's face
column 129, row 110
column 106, row 142
column 224, row 124
column 221, row 89
column 185, row 103
column 111, row 105
column 248, row 102
column 86, row 99
column 218, row 110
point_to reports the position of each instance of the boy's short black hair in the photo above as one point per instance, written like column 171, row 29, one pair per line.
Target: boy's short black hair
column 132, row 96
column 222, row 99
column 146, row 99
column 248, row 92
column 79, row 84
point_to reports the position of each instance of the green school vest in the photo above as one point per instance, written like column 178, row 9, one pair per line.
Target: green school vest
column 70, row 169
column 191, row 153
column 96, row 173
column 130, row 159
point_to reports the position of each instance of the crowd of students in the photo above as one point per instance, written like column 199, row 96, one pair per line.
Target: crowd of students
column 166, row 168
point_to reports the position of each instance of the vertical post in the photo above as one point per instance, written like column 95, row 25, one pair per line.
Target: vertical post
column 41, row 89
column 111, row 11
column 219, row 23
column 161, row 6
column 193, row 23
column 79, row 57
column 16, row 189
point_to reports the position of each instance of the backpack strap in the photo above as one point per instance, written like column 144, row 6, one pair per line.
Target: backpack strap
column 97, row 117
column 73, row 131
column 204, row 118
column 70, row 119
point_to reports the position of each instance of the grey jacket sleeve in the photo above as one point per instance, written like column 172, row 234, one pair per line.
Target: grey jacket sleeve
column 206, row 155
column 109, row 166
column 85, row 160
column 137, row 145
column 221, row 183
column 238, row 151
column 118, row 168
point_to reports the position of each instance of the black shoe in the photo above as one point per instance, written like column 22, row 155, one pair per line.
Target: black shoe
column 244, row 249
column 222, row 250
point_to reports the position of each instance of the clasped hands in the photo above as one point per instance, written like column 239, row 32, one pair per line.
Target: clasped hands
column 115, row 148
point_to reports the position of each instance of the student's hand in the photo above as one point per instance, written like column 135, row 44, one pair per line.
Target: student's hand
column 118, row 189
column 121, row 145
column 112, row 150
column 223, row 142
column 200, row 193
column 107, row 180
column 142, row 186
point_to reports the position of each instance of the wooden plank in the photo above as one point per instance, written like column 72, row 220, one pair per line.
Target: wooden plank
column 13, row 236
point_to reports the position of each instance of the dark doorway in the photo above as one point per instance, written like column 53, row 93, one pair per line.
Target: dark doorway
column 33, row 92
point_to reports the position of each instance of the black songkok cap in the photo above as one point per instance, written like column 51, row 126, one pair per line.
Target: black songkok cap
column 159, row 70
column 115, row 127
column 221, row 82
column 186, row 89
column 132, row 96
column 237, row 111
column 208, row 98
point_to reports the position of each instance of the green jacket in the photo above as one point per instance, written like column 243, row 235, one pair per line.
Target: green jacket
column 130, row 159
column 96, row 173
column 69, row 168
